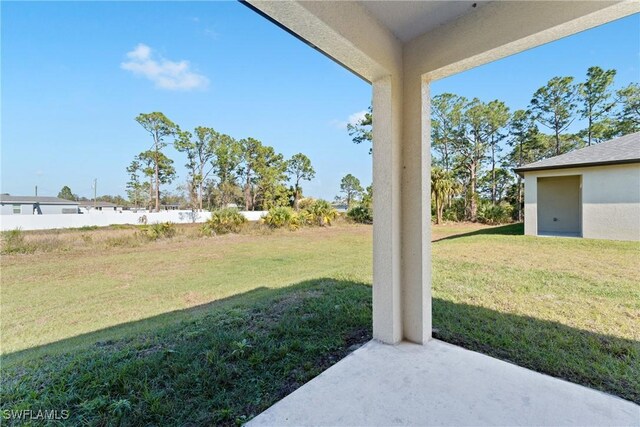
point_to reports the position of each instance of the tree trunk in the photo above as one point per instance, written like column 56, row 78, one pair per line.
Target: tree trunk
column 247, row 190
column 439, row 210
column 493, row 174
column 446, row 157
column 557, row 131
column 200, row 186
column 150, row 204
column 473, row 203
column 157, row 174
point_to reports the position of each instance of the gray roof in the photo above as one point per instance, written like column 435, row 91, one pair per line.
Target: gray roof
column 6, row 198
column 625, row 149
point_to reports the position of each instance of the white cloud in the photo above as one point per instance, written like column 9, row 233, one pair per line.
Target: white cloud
column 164, row 73
column 357, row 117
column 351, row 120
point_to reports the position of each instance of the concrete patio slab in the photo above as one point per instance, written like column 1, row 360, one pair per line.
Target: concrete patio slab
column 441, row 384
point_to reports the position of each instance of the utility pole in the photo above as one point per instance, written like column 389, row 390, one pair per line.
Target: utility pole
column 36, row 191
column 95, row 193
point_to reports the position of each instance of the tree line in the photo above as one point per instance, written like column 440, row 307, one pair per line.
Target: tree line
column 476, row 144
column 221, row 170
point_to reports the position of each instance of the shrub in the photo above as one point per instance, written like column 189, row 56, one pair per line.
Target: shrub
column 494, row 214
column 284, row 216
column 451, row 214
column 455, row 210
column 13, row 243
column 361, row 214
column 158, row 230
column 322, row 213
column 223, row 221
column 305, row 202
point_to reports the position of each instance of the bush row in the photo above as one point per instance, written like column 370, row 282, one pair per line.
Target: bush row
column 223, row 221
column 317, row 212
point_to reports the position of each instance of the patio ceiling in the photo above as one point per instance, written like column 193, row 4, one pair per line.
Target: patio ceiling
column 376, row 38
column 409, row 19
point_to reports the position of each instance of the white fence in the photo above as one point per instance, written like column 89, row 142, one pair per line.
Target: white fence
column 101, row 219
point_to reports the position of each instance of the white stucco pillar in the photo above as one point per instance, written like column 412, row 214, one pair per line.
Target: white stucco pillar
column 401, row 228
column 387, row 304
column 416, row 210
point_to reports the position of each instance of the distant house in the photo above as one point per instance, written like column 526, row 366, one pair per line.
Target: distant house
column 36, row 205
column 88, row 205
column 340, row 207
column 593, row 192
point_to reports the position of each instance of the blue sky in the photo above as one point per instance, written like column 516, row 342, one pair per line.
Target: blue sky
column 75, row 75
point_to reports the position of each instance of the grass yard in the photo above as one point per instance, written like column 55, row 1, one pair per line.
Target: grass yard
column 214, row 330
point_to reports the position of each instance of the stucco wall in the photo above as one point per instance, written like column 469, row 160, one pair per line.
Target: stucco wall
column 610, row 201
column 53, row 221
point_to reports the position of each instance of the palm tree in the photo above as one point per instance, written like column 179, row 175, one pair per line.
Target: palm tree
column 443, row 186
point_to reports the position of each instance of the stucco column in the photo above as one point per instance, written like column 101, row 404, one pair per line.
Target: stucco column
column 387, row 166
column 416, row 210
column 401, row 226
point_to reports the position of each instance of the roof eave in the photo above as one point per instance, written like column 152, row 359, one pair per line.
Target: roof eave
column 521, row 171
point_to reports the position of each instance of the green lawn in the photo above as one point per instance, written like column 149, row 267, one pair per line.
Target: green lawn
column 214, row 330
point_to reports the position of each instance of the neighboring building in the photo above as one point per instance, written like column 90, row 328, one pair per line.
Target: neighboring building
column 89, row 205
column 36, row 205
column 593, row 192
column 340, row 206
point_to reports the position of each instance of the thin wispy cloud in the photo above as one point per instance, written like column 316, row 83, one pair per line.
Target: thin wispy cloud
column 164, row 73
column 351, row 120
column 212, row 34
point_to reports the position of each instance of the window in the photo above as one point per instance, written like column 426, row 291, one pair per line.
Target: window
column 17, row 209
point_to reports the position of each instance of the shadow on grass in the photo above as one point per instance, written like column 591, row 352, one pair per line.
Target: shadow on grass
column 216, row 364
column 224, row 362
column 603, row 362
column 516, row 229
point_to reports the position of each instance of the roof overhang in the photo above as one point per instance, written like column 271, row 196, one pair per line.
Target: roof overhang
column 433, row 38
column 522, row 171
